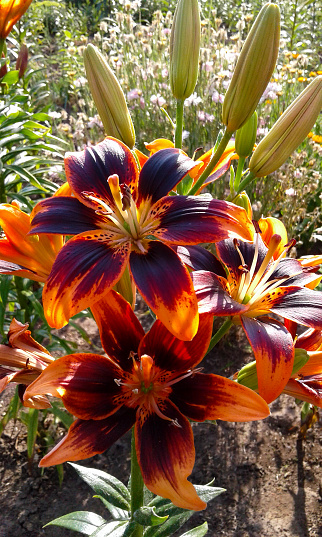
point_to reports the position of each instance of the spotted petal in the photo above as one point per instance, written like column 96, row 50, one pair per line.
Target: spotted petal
column 301, row 305
column 88, row 438
column 85, row 269
column 272, row 345
column 84, row 382
column 212, row 295
column 166, row 286
column 300, row 390
column 192, row 220
column 211, row 397
column 166, row 456
column 88, row 170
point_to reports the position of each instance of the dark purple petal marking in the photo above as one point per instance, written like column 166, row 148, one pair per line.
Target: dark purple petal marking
column 272, row 345
column 162, row 172
column 301, row 305
column 212, row 296
column 88, row 170
column 198, row 258
column 64, row 216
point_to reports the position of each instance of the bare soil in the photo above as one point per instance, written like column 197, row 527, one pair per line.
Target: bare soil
column 272, row 476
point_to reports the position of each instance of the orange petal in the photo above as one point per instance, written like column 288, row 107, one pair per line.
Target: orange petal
column 166, row 455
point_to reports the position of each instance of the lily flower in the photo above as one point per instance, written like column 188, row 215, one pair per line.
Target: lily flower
column 148, row 380
column 257, row 285
column 10, row 12
column 22, row 254
column 22, row 361
column 125, row 218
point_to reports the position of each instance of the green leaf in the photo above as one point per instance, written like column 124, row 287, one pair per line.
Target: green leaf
column 165, row 507
column 170, row 526
column 11, row 77
column 199, row 531
column 116, row 512
column 111, row 529
column 27, row 176
column 105, row 485
column 146, row 516
column 32, row 425
column 82, row 521
column 62, row 415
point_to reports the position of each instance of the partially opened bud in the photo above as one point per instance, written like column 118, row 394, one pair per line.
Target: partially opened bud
column 254, row 68
column 3, row 68
column 289, row 131
column 184, row 48
column 246, row 136
column 108, row 97
column 242, row 200
column 22, row 60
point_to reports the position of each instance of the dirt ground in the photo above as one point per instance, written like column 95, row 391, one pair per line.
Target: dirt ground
column 272, row 476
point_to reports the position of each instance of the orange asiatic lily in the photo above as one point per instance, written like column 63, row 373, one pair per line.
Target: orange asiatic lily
column 10, row 12
column 22, row 361
column 23, row 254
column 123, row 218
column 256, row 284
column 148, row 380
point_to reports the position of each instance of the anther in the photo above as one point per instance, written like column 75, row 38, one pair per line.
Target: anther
column 118, row 382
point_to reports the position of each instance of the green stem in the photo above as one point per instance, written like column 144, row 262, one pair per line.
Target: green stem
column 213, row 161
column 245, row 182
column 219, row 334
column 179, row 124
column 136, row 487
column 239, row 171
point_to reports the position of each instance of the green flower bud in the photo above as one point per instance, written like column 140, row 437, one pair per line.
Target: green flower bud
column 108, row 97
column 242, row 200
column 246, row 136
column 254, row 68
column 289, row 131
column 184, row 48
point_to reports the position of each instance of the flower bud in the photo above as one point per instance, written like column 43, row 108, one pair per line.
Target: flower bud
column 108, row 97
column 254, row 68
column 289, row 131
column 242, row 200
column 22, row 60
column 246, row 136
column 10, row 12
column 184, row 48
column 3, row 68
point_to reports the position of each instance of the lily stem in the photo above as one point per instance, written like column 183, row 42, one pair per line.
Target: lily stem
column 212, row 163
column 136, row 487
column 179, row 124
column 219, row 334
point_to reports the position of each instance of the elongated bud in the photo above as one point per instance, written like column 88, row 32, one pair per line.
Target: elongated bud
column 289, row 131
column 246, row 136
column 254, row 68
column 108, row 97
column 3, row 68
column 184, row 48
column 22, row 60
column 248, row 374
